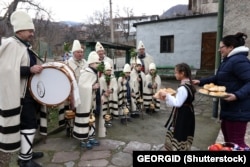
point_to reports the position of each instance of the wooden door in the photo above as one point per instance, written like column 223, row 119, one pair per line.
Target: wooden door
column 208, row 51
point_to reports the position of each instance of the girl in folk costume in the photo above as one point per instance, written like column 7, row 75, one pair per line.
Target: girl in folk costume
column 109, row 99
column 138, row 82
column 153, row 84
column 124, row 94
column 181, row 123
column 84, row 126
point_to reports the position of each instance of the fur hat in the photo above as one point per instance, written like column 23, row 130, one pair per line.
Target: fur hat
column 98, row 47
column 107, row 66
column 93, row 58
column 138, row 61
column 127, row 68
column 133, row 60
column 140, row 45
column 76, row 46
column 20, row 20
column 152, row 66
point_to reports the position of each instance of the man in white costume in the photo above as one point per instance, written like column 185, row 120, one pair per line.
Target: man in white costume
column 88, row 84
column 153, row 85
column 109, row 99
column 101, row 52
column 18, row 109
column 144, row 57
column 77, row 63
column 138, row 82
column 103, row 58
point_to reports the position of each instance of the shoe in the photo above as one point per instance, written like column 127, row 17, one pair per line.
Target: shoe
column 129, row 119
column 148, row 111
column 37, row 155
column 28, row 163
column 135, row 115
column 108, row 124
column 123, row 121
column 94, row 142
column 86, row 145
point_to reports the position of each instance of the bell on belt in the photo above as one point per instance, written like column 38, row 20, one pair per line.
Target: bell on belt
column 140, row 100
column 91, row 119
column 69, row 114
column 152, row 106
column 125, row 110
column 107, row 118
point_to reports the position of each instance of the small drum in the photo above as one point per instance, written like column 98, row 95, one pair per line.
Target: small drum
column 53, row 85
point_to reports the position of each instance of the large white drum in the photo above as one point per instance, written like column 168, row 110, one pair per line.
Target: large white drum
column 53, row 85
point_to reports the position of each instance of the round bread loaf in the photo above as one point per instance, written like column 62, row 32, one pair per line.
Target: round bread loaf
column 203, row 91
column 219, row 94
column 221, row 88
column 217, row 89
column 208, row 86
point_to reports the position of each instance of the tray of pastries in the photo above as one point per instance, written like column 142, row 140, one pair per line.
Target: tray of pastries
column 213, row 90
column 166, row 90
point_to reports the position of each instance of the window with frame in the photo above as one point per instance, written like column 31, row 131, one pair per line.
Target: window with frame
column 125, row 25
column 167, row 44
column 215, row 1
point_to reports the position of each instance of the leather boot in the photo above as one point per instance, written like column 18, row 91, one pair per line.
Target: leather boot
column 37, row 155
column 28, row 163
column 123, row 121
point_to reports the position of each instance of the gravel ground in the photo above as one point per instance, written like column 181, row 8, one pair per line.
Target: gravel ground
column 4, row 159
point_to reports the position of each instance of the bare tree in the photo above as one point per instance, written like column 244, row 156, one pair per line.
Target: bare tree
column 98, row 26
column 24, row 4
column 124, row 23
column 129, row 13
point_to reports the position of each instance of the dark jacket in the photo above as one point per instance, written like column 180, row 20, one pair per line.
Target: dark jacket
column 234, row 74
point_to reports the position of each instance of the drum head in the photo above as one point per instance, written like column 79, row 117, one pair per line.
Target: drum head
column 51, row 87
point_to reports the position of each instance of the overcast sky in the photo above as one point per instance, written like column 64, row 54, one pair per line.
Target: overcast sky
column 80, row 10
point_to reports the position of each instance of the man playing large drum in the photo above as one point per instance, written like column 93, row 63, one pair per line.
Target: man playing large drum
column 84, row 126
column 18, row 108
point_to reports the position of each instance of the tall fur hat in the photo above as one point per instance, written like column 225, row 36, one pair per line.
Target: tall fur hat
column 140, row 46
column 127, row 68
column 76, row 46
column 138, row 61
column 98, row 47
column 93, row 58
column 152, row 66
column 107, row 66
column 20, row 20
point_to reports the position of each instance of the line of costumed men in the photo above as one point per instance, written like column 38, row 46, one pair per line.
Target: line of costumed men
column 114, row 98
column 103, row 97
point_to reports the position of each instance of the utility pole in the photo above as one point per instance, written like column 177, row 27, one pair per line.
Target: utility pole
column 218, row 56
column 112, row 32
column 111, row 21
